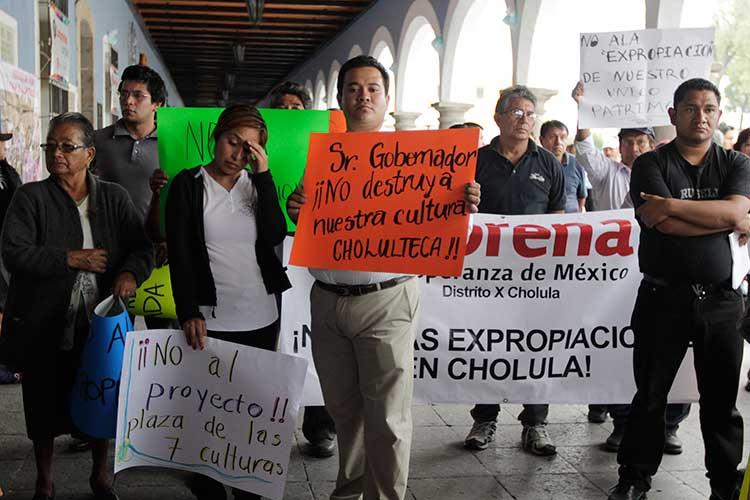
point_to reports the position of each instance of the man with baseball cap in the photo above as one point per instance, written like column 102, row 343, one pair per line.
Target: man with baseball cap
column 610, row 181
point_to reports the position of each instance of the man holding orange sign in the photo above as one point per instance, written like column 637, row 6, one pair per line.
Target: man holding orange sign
column 362, row 321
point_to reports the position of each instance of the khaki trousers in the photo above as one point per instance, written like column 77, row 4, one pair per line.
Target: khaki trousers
column 363, row 348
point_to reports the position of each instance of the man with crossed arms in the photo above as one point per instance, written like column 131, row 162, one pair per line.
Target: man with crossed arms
column 688, row 196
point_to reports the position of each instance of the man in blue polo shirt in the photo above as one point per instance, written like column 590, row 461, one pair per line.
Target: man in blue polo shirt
column 553, row 135
column 517, row 177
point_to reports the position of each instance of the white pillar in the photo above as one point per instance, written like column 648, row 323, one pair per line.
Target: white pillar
column 665, row 14
column 522, row 22
column 406, row 120
column 542, row 96
column 451, row 112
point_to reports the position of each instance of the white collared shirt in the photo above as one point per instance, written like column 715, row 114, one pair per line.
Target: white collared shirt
column 610, row 180
column 242, row 302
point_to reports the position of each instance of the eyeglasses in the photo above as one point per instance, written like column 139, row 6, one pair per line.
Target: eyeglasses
column 136, row 94
column 518, row 114
column 65, row 147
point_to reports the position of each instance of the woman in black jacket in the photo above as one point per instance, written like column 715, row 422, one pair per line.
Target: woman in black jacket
column 68, row 241
column 222, row 223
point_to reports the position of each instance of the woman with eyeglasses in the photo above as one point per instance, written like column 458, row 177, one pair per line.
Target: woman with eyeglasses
column 222, row 223
column 68, row 242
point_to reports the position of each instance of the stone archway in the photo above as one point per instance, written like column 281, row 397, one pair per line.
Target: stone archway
column 333, row 78
column 475, row 29
column 85, row 25
column 355, row 51
column 418, row 67
column 555, row 49
column 320, row 99
column 383, row 53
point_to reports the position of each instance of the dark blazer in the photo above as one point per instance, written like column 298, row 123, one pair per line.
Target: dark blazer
column 13, row 180
column 42, row 224
column 190, row 270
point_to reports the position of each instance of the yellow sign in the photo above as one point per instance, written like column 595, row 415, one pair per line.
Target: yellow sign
column 154, row 297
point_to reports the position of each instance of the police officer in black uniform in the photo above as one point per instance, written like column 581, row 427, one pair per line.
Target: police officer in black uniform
column 689, row 195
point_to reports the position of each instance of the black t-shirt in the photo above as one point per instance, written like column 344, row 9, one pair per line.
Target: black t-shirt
column 536, row 185
column 664, row 172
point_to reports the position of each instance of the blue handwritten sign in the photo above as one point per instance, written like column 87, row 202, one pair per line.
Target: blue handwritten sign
column 93, row 404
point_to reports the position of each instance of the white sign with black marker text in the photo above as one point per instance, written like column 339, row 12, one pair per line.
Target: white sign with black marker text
column 541, row 314
column 228, row 411
column 629, row 77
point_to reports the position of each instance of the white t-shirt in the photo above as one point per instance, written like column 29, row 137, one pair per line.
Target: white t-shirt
column 85, row 290
column 242, row 302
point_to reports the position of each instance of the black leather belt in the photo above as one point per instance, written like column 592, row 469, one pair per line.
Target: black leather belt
column 357, row 290
column 699, row 289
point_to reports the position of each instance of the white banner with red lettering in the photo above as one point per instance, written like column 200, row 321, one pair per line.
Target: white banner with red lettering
column 541, row 314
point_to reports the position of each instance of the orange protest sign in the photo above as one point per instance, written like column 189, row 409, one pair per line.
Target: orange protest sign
column 336, row 121
column 386, row 201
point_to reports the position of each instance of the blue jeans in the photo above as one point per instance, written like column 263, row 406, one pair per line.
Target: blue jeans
column 531, row 414
column 675, row 414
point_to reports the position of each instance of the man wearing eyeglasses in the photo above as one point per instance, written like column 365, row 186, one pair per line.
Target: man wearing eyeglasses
column 517, row 177
column 126, row 154
column 126, row 151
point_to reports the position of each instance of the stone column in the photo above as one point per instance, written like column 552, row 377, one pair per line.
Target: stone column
column 664, row 13
column 542, row 96
column 406, row 120
column 522, row 20
column 451, row 112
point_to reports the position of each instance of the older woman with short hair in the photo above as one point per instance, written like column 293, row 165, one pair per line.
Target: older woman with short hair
column 68, row 242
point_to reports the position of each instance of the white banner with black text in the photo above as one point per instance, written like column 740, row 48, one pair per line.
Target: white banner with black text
column 541, row 314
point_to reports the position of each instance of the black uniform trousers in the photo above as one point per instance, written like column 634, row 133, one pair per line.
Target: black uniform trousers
column 665, row 321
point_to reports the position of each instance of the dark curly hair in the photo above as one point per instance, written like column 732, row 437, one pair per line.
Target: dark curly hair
column 141, row 73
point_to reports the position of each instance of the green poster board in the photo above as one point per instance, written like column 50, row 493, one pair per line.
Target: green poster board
column 185, row 141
